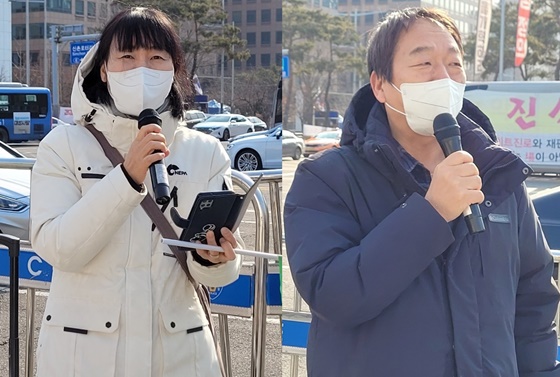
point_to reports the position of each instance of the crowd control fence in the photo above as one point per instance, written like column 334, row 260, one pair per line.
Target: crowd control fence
column 256, row 294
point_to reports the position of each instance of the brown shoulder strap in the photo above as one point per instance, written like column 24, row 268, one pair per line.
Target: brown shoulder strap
column 148, row 203
column 166, row 231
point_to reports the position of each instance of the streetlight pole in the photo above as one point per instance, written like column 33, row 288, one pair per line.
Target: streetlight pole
column 502, row 37
column 222, row 67
column 45, row 62
column 27, row 58
column 232, row 73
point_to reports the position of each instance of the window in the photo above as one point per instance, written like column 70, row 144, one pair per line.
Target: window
column 265, row 60
column 278, row 14
column 37, row 31
column 66, row 59
column 355, row 2
column 63, row 6
column 278, row 59
column 265, row 16
column 251, row 62
column 18, row 32
column 265, row 38
column 35, row 103
column 279, row 37
column 103, row 11
column 79, row 7
column 34, row 57
column 251, row 17
column 91, row 9
column 251, row 39
column 368, row 19
column 18, row 59
column 236, row 17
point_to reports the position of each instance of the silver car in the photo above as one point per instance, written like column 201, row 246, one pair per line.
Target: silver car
column 14, row 196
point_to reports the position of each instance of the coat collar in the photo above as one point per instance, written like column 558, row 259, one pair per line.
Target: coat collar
column 366, row 129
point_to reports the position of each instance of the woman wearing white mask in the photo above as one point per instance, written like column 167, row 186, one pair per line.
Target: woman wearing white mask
column 118, row 305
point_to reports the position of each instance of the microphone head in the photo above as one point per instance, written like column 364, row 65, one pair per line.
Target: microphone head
column 445, row 126
column 148, row 116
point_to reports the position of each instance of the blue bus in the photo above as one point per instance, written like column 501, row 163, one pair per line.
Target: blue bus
column 25, row 113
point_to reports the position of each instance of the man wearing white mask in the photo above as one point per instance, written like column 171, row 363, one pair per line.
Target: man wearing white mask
column 119, row 305
column 377, row 245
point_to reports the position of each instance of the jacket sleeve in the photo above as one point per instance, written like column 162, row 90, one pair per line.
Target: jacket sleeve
column 68, row 229
column 222, row 274
column 537, row 298
column 345, row 276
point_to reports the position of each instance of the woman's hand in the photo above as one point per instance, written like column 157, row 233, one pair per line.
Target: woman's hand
column 141, row 153
column 227, row 242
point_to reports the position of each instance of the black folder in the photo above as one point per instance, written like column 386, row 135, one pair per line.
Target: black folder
column 213, row 210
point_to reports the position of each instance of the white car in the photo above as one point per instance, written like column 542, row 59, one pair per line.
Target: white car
column 58, row 122
column 224, row 126
column 256, row 152
column 14, row 196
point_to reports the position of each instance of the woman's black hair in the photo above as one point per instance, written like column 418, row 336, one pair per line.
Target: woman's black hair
column 140, row 28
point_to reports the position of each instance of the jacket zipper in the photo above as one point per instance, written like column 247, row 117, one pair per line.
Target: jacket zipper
column 449, row 314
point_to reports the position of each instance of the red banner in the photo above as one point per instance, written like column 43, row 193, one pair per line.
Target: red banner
column 523, row 15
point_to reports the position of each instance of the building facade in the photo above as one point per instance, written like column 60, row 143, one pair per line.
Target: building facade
column 5, row 41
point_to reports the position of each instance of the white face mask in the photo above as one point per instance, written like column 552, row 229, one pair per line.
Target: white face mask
column 139, row 88
column 424, row 101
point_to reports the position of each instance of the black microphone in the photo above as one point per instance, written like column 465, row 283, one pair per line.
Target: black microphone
column 160, row 182
column 448, row 135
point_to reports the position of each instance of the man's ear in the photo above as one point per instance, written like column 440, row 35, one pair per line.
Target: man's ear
column 376, row 84
column 103, row 72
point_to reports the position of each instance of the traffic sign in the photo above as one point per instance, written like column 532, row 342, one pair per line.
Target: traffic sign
column 285, row 66
column 78, row 50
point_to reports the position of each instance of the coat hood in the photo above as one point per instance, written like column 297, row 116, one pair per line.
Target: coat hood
column 119, row 130
column 366, row 128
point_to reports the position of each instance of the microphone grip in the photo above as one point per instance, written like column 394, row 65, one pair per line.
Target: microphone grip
column 160, row 183
column 472, row 214
column 473, row 218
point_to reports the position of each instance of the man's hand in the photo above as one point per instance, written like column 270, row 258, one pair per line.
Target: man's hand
column 455, row 185
column 227, row 242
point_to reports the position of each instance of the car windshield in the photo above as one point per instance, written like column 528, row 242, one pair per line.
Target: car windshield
column 327, row 135
column 218, row 118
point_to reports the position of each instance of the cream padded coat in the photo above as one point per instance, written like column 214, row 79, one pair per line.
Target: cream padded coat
column 117, row 305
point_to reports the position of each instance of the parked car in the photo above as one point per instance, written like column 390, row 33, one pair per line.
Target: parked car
column 223, row 126
column 321, row 141
column 258, row 123
column 251, row 134
column 58, row 122
column 14, row 196
column 292, row 145
column 192, row 117
column 256, row 152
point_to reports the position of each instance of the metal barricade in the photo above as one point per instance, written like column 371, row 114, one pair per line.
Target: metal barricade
column 37, row 273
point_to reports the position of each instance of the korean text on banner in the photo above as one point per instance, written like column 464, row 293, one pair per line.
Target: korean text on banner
column 523, row 15
column 482, row 32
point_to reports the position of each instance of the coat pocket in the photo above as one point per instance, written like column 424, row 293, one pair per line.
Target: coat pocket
column 187, row 344
column 78, row 338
